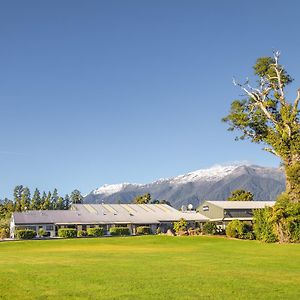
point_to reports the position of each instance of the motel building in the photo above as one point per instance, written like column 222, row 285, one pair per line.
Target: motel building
column 84, row 216
column 222, row 212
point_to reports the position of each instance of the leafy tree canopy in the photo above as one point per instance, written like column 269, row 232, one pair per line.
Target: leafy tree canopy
column 240, row 195
column 265, row 115
column 142, row 199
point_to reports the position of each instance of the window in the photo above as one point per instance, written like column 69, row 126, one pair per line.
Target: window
column 49, row 227
column 205, row 208
column 238, row 213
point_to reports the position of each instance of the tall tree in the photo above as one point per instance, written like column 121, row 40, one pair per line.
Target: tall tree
column 36, row 200
column 6, row 208
column 47, row 202
column 76, row 197
column 25, row 199
column 266, row 116
column 54, row 199
column 43, row 200
column 240, row 195
column 18, row 190
column 66, row 202
column 60, row 203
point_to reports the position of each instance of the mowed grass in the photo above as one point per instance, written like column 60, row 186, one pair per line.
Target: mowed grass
column 150, row 267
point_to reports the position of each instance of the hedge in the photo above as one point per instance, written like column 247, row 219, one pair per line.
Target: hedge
column 81, row 233
column 67, row 232
column 210, row 228
column 96, row 232
column 25, row 234
column 119, row 231
column 143, row 230
column 235, row 229
column 42, row 232
column 262, row 225
column 4, row 233
column 240, row 230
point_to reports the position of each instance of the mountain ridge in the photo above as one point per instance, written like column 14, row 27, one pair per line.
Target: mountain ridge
column 214, row 183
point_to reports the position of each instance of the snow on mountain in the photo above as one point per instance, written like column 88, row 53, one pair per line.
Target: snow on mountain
column 214, row 173
column 109, row 189
column 214, row 183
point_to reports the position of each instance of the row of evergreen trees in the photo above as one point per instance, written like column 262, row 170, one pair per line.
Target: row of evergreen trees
column 23, row 200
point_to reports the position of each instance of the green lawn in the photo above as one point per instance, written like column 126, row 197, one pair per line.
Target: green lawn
column 153, row 267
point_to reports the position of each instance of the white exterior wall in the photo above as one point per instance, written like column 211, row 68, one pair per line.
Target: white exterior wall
column 36, row 227
column 12, row 228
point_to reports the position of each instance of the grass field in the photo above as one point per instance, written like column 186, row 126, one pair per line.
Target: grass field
column 153, row 267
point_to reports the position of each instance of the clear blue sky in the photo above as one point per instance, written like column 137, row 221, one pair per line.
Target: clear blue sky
column 96, row 92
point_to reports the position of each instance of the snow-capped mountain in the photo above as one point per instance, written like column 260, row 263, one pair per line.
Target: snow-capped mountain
column 214, row 183
column 109, row 189
column 212, row 174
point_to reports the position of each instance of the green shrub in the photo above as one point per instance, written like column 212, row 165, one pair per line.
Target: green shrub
column 294, row 228
column 42, row 232
column 4, row 233
column 25, row 234
column 4, row 228
column 96, row 231
column 67, row 233
column 240, row 230
column 119, row 231
column 81, row 233
column 143, row 230
column 249, row 235
column 209, row 228
column 263, row 226
column 180, row 225
column 236, row 229
column 285, row 218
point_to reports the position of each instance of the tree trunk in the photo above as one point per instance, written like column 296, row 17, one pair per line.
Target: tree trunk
column 292, row 172
column 282, row 234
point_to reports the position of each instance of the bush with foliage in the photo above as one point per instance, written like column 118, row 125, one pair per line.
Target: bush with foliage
column 249, row 235
column 210, row 228
column 180, row 226
column 95, row 232
column 119, row 231
column 239, row 229
column 67, row 233
column 143, row 230
column 4, row 233
column 42, row 232
column 286, row 219
column 81, row 233
column 25, row 234
column 262, row 225
column 4, row 228
column 279, row 223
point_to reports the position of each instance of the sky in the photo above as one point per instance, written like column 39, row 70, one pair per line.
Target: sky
column 96, row 92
